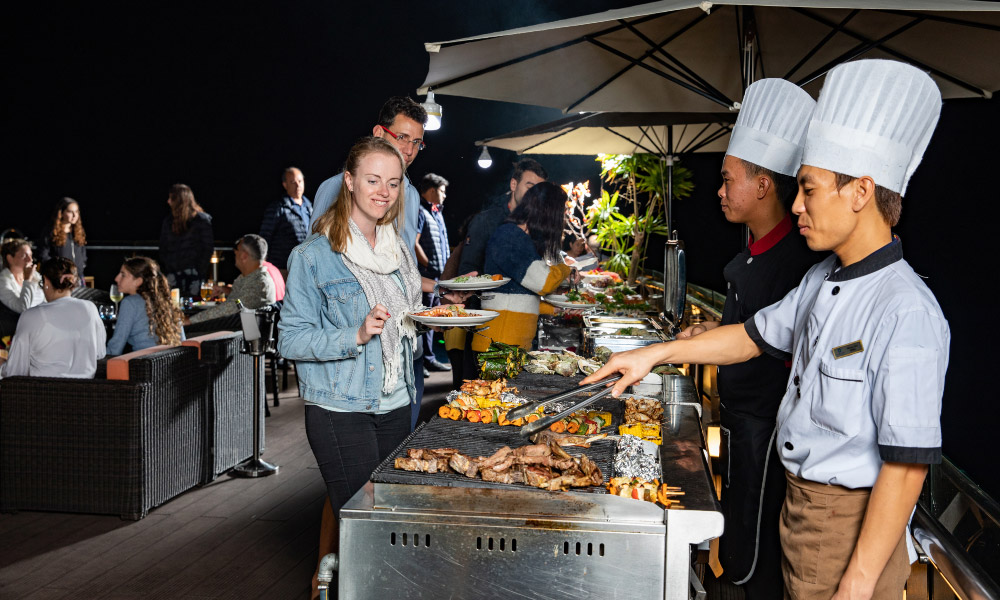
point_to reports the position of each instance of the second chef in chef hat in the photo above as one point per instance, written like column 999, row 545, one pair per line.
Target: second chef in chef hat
column 758, row 187
column 863, row 408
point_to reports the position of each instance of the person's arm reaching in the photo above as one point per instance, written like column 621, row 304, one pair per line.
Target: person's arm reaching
column 422, row 259
column 693, row 330
column 722, row 346
column 892, row 500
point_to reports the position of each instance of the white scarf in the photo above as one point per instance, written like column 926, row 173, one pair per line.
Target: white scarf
column 374, row 268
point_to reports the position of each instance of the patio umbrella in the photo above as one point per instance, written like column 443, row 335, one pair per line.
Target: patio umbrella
column 690, row 56
column 666, row 134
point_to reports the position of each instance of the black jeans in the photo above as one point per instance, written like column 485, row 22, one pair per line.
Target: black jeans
column 348, row 446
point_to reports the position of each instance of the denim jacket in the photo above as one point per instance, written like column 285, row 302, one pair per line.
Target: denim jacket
column 324, row 308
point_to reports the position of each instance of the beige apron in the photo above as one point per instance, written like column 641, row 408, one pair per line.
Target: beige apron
column 819, row 528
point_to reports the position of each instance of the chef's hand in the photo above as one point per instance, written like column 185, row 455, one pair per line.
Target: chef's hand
column 692, row 330
column 373, row 325
column 633, row 365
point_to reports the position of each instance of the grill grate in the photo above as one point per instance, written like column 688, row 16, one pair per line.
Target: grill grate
column 478, row 439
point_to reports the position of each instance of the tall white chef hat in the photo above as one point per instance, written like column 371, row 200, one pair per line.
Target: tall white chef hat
column 875, row 118
column 771, row 126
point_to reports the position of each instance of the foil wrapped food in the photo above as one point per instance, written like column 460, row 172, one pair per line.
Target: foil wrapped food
column 632, row 459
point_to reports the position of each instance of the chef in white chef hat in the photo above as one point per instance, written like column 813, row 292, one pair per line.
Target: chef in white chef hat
column 866, row 339
column 871, row 126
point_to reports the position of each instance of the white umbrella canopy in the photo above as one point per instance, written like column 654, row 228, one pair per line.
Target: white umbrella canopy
column 622, row 133
column 689, row 56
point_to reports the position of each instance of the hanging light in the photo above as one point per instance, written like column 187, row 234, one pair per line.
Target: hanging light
column 485, row 160
column 433, row 113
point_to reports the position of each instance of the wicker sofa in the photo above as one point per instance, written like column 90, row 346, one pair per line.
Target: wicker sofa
column 228, row 414
column 128, row 440
column 150, row 425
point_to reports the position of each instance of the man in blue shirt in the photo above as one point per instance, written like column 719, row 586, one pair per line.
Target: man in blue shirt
column 432, row 249
column 286, row 221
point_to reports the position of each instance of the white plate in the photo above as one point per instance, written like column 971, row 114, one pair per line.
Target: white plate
column 203, row 304
column 451, row 284
column 559, row 301
column 476, row 317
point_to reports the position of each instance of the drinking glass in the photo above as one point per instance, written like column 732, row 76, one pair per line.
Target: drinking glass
column 116, row 296
column 206, row 291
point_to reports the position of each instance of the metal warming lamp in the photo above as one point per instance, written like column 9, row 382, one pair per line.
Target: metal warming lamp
column 258, row 339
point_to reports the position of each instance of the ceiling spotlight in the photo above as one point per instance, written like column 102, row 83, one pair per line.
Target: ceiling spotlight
column 433, row 113
column 485, row 160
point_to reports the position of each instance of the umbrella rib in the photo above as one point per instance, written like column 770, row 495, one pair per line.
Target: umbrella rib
column 694, row 138
column 546, row 141
column 629, row 140
column 723, row 131
column 833, row 31
column 919, row 64
column 667, row 76
column 680, row 67
column 856, row 51
column 645, row 55
column 949, row 20
column 645, row 129
column 535, row 54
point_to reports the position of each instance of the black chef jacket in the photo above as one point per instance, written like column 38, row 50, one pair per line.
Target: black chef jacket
column 757, row 277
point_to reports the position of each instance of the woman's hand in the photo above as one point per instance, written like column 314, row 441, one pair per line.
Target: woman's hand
column 457, row 297
column 373, row 324
column 29, row 271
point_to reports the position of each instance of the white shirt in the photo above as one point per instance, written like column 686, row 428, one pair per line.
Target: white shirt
column 869, row 349
column 62, row 338
column 20, row 298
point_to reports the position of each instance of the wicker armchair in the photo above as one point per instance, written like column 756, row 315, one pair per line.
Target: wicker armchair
column 229, row 402
column 110, row 446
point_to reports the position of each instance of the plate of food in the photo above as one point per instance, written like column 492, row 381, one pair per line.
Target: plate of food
column 474, row 282
column 453, row 315
column 572, row 299
column 203, row 304
column 599, row 278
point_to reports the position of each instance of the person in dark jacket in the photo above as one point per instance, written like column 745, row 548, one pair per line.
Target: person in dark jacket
column 66, row 237
column 286, row 221
column 186, row 241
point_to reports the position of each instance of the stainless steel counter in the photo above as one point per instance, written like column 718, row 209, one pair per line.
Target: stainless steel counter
column 428, row 541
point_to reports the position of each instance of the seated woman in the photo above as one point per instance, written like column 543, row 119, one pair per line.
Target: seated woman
column 349, row 285
column 146, row 317
column 66, row 237
column 63, row 337
column 19, row 281
column 526, row 249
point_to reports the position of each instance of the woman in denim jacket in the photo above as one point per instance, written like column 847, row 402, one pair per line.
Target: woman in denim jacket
column 349, row 285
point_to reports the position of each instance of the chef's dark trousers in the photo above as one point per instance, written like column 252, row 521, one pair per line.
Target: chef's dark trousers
column 349, row 446
column 751, row 554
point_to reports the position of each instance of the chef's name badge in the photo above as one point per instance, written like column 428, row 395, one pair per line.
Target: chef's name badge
column 848, row 349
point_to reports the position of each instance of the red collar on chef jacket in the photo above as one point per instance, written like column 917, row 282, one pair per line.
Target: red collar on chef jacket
column 773, row 237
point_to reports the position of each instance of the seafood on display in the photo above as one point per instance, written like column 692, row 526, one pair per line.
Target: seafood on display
column 563, row 363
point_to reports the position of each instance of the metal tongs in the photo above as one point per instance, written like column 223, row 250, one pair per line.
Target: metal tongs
column 525, row 409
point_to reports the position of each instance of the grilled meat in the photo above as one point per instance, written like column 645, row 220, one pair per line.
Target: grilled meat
column 464, row 465
column 547, row 436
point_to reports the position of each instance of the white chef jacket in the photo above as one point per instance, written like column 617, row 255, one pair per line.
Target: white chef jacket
column 869, row 349
column 62, row 338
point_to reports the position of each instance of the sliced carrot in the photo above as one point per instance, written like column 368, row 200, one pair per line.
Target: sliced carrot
column 531, row 418
column 485, row 416
column 558, row 426
column 473, row 416
column 454, row 413
column 518, row 422
column 573, row 426
column 444, row 411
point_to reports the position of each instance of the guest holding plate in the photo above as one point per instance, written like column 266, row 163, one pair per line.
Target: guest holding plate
column 350, row 284
column 526, row 249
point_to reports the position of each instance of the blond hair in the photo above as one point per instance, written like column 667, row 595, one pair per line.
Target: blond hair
column 333, row 223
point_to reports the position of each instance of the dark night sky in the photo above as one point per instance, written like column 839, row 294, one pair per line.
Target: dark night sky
column 112, row 105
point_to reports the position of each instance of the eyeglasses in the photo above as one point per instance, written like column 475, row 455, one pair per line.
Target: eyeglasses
column 405, row 139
